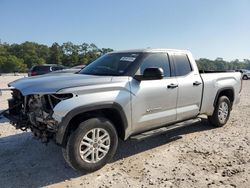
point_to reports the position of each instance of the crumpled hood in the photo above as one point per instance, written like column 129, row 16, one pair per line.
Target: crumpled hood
column 46, row 84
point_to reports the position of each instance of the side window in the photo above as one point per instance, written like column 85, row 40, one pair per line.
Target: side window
column 56, row 68
column 41, row 68
column 182, row 65
column 156, row 60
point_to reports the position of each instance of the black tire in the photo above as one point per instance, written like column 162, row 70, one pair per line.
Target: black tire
column 72, row 151
column 245, row 77
column 215, row 119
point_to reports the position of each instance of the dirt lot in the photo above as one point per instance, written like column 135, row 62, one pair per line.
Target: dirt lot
column 196, row 156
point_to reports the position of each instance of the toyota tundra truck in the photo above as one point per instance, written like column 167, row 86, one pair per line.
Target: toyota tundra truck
column 121, row 95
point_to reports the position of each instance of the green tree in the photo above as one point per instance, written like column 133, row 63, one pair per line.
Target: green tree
column 71, row 54
column 106, row 50
column 11, row 63
column 56, row 54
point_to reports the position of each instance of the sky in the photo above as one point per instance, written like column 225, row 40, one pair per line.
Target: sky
column 208, row 28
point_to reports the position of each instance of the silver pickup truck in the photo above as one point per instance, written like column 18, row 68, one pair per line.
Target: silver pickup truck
column 125, row 94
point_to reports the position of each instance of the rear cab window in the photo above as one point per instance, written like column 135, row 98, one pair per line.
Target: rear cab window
column 182, row 64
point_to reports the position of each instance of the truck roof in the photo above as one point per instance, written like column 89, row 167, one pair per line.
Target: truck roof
column 151, row 50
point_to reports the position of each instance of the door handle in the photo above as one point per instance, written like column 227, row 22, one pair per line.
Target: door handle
column 172, row 86
column 196, row 83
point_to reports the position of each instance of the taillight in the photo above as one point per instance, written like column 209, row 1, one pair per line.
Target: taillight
column 33, row 73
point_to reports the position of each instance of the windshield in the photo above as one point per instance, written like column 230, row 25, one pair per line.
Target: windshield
column 114, row 64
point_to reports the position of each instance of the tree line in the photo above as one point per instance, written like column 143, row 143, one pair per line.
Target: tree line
column 221, row 65
column 21, row 57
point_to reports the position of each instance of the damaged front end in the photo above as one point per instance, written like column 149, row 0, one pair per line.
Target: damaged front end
column 34, row 112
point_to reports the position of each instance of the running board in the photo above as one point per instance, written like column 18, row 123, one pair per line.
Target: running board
column 163, row 130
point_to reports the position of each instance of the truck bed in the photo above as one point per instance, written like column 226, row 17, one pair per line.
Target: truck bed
column 213, row 82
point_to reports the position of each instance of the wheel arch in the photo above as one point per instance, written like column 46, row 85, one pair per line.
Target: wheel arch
column 112, row 111
column 228, row 92
column 245, row 76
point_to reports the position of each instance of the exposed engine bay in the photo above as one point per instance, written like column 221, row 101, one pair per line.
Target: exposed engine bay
column 34, row 112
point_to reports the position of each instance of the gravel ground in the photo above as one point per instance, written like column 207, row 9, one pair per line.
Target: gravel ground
column 195, row 156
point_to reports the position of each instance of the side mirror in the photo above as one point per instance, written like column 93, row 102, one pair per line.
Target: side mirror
column 152, row 73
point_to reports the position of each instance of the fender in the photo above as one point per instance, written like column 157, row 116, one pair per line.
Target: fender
column 221, row 90
column 63, row 126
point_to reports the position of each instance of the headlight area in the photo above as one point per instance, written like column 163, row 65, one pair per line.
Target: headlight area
column 35, row 112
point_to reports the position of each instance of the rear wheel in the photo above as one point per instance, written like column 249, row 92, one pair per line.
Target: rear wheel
column 221, row 112
column 91, row 145
column 245, row 77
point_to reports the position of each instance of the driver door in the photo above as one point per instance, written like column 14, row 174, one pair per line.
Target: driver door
column 154, row 101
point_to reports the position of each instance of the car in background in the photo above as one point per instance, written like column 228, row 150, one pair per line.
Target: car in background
column 245, row 73
column 44, row 69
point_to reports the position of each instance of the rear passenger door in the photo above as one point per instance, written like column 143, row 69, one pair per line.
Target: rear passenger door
column 190, row 87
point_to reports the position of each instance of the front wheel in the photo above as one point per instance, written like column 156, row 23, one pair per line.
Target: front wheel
column 91, row 145
column 221, row 112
